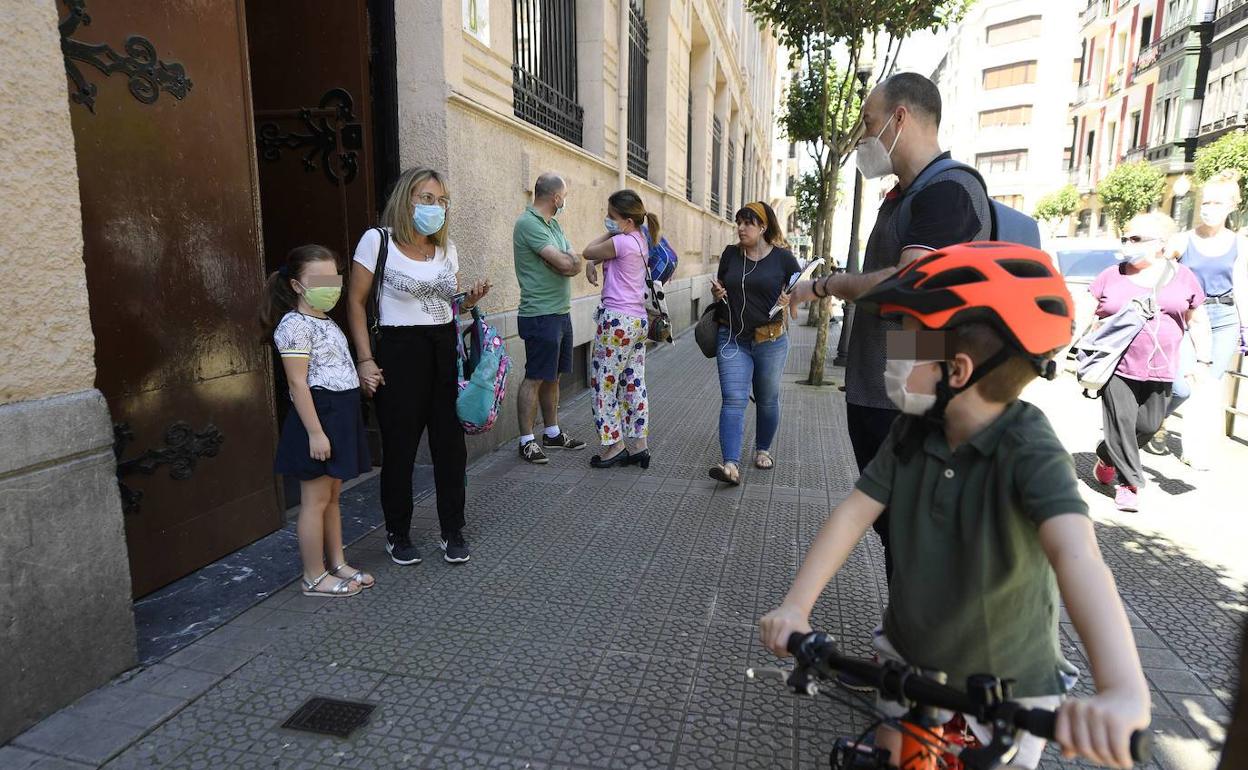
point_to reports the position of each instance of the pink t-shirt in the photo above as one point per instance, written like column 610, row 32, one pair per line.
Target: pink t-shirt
column 1154, row 354
column 624, row 278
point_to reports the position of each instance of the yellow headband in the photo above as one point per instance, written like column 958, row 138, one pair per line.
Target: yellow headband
column 758, row 209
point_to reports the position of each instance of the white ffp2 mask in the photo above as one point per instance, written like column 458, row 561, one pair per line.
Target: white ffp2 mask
column 896, row 373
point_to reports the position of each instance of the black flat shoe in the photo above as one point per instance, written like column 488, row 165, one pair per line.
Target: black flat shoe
column 620, row 459
column 642, row 458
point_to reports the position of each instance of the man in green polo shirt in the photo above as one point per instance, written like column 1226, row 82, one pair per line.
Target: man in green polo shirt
column 545, row 265
column 985, row 517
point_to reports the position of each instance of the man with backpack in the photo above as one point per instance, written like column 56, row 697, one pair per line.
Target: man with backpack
column 924, row 212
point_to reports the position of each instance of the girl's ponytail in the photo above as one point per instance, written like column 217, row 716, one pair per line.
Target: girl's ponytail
column 652, row 225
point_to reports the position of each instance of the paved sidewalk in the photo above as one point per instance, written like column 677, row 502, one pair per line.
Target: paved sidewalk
column 607, row 617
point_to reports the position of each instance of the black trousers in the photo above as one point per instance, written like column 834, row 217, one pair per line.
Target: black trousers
column 868, row 427
column 418, row 364
column 1133, row 412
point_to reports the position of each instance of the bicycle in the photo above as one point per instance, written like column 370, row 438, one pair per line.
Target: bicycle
column 926, row 743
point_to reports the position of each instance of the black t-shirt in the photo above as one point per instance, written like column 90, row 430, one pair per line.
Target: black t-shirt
column 764, row 280
column 942, row 214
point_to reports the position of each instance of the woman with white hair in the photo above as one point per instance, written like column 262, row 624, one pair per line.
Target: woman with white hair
column 1134, row 400
column 1219, row 258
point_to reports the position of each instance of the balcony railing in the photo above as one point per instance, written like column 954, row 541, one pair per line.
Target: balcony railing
column 1147, row 58
column 1227, row 8
column 1096, row 9
column 1081, row 177
column 1083, row 93
column 1230, row 121
column 1134, row 154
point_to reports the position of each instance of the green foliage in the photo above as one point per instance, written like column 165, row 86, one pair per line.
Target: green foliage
column 1057, row 205
column 806, row 190
column 797, row 22
column 802, row 120
column 1230, row 151
column 1130, row 189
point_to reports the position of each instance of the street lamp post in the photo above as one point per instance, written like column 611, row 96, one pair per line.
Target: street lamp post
column 851, row 261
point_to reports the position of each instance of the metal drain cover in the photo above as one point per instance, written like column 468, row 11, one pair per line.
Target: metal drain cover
column 330, row 717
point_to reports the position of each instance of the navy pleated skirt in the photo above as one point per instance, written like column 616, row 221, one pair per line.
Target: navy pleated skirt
column 342, row 421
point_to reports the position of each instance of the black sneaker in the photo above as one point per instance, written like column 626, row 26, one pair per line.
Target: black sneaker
column 456, row 549
column 401, row 549
column 533, row 453
column 562, row 441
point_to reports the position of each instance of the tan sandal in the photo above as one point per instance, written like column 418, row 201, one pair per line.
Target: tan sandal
column 720, row 473
column 763, row 460
column 363, row 578
column 343, row 589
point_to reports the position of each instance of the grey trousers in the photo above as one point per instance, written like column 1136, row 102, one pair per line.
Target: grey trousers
column 1133, row 411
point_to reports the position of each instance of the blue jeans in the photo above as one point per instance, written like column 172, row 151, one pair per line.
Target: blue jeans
column 1225, row 322
column 749, row 364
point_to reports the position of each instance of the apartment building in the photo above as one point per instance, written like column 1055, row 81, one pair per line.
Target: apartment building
column 1114, row 112
column 1007, row 81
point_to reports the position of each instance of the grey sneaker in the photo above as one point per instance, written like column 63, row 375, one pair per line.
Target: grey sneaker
column 533, row 453
column 456, row 550
column 562, row 441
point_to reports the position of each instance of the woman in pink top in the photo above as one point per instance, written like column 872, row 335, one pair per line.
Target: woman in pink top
column 1135, row 398
column 618, row 364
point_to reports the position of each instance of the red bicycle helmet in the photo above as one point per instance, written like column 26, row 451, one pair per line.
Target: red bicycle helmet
column 1010, row 286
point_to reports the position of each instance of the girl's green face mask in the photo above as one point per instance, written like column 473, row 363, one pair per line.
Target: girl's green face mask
column 322, row 298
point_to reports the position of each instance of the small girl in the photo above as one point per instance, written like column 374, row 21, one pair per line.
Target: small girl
column 322, row 442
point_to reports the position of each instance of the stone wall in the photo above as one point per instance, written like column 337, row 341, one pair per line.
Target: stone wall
column 66, row 624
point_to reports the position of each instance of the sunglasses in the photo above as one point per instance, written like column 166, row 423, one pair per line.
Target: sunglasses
column 1137, row 239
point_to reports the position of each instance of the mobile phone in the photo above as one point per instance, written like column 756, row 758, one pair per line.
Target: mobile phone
column 459, row 298
column 795, row 279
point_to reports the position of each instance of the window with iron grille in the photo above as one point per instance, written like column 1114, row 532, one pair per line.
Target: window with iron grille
column 732, row 175
column 717, row 140
column 689, row 151
column 544, row 72
column 638, row 62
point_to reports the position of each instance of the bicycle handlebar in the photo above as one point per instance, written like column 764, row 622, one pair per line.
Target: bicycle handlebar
column 817, row 652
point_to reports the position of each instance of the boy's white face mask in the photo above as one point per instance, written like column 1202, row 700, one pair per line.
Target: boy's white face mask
column 896, row 375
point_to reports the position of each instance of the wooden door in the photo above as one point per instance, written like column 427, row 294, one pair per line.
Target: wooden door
column 164, row 139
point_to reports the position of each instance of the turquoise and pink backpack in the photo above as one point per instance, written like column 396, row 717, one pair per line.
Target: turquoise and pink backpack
column 483, row 368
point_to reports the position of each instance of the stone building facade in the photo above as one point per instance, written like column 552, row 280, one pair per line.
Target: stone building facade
column 151, row 191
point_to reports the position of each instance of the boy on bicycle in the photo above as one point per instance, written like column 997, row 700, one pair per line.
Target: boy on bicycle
column 985, row 515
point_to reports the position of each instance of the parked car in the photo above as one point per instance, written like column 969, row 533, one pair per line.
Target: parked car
column 1080, row 260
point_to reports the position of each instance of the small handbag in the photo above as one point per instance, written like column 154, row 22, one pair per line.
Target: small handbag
column 706, row 333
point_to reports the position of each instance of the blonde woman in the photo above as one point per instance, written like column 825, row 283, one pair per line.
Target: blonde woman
column 412, row 372
column 1219, row 258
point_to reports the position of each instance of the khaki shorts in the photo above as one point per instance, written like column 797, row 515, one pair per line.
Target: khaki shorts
column 1029, row 746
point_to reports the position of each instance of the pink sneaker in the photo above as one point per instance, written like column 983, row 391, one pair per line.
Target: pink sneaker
column 1104, row 473
column 1125, row 498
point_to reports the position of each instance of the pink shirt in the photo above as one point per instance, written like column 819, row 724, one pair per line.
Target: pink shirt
column 624, row 278
column 1154, row 354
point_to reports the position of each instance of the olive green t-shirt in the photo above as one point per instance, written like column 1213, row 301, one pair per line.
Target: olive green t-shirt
column 972, row 591
column 542, row 290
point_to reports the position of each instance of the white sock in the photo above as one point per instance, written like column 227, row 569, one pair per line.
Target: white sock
column 552, row 431
column 526, row 439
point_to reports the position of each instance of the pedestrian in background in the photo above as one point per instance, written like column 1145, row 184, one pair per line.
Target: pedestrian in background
column 1219, row 258
column 618, row 362
column 412, row 373
column 752, row 345
column 322, row 442
column 1134, row 400
column 545, row 266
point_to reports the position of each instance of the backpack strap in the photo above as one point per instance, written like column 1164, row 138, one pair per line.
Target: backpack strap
column 901, row 220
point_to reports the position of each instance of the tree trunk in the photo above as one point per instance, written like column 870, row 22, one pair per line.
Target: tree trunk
column 822, row 309
column 822, row 223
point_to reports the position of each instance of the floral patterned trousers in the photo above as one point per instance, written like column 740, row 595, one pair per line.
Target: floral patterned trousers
column 618, row 377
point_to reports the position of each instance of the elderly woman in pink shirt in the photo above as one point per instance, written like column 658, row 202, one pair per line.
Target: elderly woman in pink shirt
column 618, row 364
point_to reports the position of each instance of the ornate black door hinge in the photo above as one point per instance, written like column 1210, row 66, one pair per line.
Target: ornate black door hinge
column 331, row 132
column 182, row 450
column 147, row 73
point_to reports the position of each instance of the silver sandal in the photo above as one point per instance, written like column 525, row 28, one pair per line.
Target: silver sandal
column 343, row 588
column 358, row 577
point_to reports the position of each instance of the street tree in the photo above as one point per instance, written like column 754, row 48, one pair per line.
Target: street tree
column 1130, row 189
column 837, row 48
column 1230, row 151
column 1056, row 207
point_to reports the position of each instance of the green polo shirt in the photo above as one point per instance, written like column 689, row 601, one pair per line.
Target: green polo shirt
column 542, row 290
column 972, row 590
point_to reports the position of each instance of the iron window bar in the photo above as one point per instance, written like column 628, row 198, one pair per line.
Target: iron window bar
column 544, row 85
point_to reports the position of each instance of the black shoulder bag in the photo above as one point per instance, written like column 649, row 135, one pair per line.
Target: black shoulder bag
column 373, row 307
